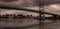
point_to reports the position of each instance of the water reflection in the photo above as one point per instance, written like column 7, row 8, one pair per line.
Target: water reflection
column 17, row 22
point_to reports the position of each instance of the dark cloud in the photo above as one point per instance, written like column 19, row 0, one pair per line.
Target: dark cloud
column 22, row 2
column 8, row 0
column 48, row 2
column 30, row 3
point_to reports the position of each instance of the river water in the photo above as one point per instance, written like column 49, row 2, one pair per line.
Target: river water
column 18, row 23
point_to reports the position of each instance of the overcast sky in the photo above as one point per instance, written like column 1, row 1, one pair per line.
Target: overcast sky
column 33, row 4
column 30, row 4
column 52, row 6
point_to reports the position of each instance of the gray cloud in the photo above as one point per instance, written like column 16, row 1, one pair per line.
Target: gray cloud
column 21, row 2
column 7, row 1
